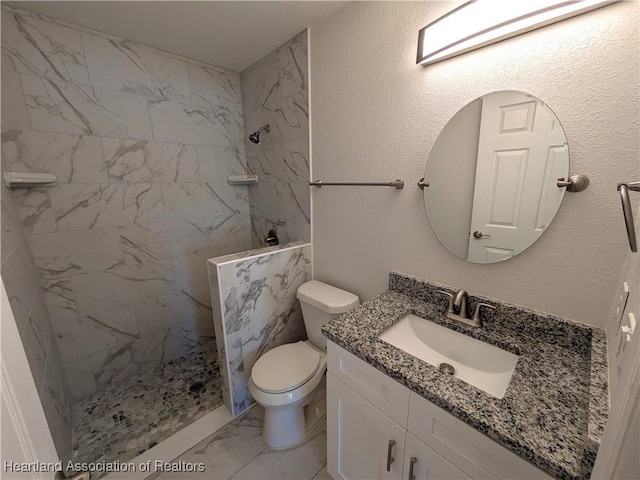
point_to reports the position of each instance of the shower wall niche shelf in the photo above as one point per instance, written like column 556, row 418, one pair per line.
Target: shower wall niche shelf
column 242, row 179
column 29, row 179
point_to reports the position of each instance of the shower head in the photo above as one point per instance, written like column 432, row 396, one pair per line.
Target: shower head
column 255, row 137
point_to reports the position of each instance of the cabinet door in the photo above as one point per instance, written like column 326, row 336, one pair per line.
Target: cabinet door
column 427, row 464
column 358, row 436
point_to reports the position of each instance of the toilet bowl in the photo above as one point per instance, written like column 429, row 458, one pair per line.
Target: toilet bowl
column 283, row 379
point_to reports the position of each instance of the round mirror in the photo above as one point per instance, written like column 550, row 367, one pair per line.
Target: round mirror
column 493, row 175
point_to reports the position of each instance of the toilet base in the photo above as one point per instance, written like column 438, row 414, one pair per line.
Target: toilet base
column 286, row 426
column 283, row 427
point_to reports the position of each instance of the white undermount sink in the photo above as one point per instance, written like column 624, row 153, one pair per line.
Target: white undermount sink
column 482, row 365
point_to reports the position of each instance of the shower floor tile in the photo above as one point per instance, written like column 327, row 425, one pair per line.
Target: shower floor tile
column 130, row 417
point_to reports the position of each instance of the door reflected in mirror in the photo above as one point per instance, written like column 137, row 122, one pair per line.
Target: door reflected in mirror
column 493, row 175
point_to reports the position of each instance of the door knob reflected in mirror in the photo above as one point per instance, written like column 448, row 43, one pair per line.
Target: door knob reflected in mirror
column 478, row 235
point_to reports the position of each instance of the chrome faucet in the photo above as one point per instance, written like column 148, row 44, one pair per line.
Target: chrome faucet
column 459, row 303
column 458, row 306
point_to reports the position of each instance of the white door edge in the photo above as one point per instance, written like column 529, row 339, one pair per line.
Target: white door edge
column 25, row 431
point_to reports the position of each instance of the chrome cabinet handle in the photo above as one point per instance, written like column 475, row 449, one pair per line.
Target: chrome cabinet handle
column 478, row 235
column 390, row 459
column 412, row 464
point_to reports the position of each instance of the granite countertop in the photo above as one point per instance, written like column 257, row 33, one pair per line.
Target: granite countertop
column 555, row 408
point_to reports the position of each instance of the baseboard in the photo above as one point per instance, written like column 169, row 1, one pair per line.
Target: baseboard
column 175, row 445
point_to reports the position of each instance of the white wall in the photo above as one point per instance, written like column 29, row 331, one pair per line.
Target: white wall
column 375, row 115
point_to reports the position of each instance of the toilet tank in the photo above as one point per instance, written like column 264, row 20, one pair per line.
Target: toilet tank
column 321, row 303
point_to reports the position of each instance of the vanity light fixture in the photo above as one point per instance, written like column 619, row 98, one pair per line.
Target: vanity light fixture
column 482, row 22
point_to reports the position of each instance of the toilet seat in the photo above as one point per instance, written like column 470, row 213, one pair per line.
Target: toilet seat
column 285, row 367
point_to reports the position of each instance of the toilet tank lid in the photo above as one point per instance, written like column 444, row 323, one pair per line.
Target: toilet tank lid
column 327, row 298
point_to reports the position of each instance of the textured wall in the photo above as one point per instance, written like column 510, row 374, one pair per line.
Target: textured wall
column 20, row 279
column 142, row 144
column 275, row 92
column 255, row 309
column 376, row 115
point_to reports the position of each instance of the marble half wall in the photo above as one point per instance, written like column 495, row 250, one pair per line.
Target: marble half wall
column 275, row 91
column 142, row 143
column 255, row 309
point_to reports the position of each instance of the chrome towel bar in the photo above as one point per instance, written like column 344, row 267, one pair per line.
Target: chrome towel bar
column 624, row 188
column 398, row 184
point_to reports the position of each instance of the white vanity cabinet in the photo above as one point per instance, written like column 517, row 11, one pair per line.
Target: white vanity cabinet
column 367, row 409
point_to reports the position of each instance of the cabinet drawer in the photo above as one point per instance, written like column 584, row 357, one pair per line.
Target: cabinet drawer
column 471, row 451
column 383, row 392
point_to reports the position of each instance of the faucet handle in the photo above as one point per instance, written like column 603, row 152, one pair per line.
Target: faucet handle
column 476, row 312
column 450, row 309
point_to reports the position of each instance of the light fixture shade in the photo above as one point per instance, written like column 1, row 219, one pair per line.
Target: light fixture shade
column 482, row 22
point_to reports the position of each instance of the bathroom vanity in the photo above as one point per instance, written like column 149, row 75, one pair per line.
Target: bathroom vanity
column 392, row 415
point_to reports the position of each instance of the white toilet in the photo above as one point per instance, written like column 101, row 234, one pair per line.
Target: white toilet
column 283, row 379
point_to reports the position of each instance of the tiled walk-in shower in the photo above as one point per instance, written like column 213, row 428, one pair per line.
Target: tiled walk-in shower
column 106, row 271
column 130, row 417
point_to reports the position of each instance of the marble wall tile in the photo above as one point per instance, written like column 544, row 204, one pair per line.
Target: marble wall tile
column 36, row 353
column 198, row 125
column 80, row 377
column 276, row 92
column 121, row 285
column 14, row 110
column 153, row 241
column 64, row 254
column 139, row 161
column 293, row 66
column 210, row 85
column 298, row 230
column 260, row 88
column 30, row 45
column 20, row 282
column 35, row 210
column 191, row 270
column 100, row 331
column 39, row 320
column 60, row 301
column 239, row 391
column 221, row 348
column 161, row 313
column 199, row 200
column 201, row 295
column 298, row 206
column 58, row 106
column 10, row 224
column 217, row 163
column 227, row 275
column 295, row 160
column 86, row 206
column 121, row 66
column 58, row 403
column 71, row 158
column 290, row 119
column 259, row 267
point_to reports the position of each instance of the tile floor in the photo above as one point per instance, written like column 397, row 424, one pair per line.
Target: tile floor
column 237, row 451
column 130, row 417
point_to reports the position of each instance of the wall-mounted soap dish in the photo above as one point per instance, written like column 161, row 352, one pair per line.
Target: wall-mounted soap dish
column 29, row 179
